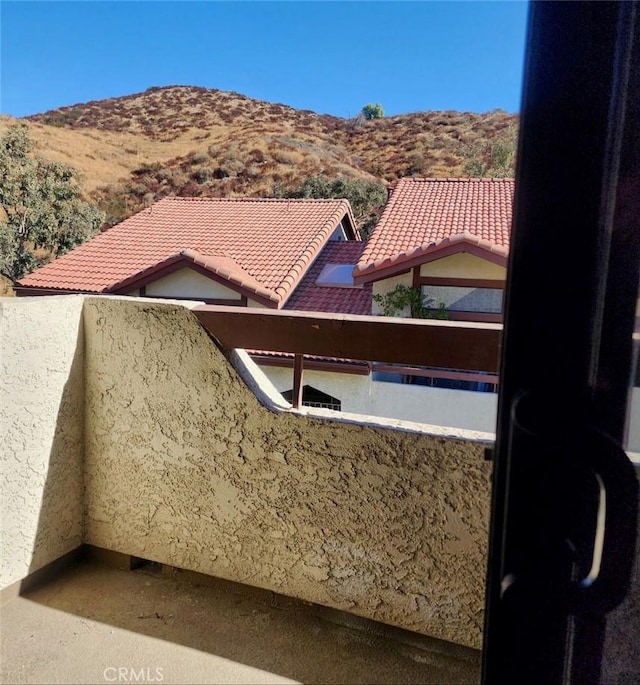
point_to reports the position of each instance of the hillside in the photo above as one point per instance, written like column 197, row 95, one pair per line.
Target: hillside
column 195, row 141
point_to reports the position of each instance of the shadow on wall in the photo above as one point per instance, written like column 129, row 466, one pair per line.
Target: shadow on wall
column 173, row 459
column 60, row 528
column 185, row 467
column 42, row 408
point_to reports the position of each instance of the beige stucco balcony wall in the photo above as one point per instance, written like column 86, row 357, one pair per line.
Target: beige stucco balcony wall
column 41, row 432
column 184, row 466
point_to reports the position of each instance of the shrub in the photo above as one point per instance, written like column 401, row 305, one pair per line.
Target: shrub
column 367, row 198
column 199, row 157
column 371, row 111
column 202, row 175
column 404, row 297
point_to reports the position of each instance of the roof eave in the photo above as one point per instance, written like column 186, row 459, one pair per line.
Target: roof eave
column 404, row 262
column 26, row 290
column 187, row 259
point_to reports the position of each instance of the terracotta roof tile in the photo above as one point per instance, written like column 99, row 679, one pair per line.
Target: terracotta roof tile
column 262, row 245
column 310, row 297
column 424, row 215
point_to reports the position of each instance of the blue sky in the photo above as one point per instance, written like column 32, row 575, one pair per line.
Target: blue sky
column 331, row 57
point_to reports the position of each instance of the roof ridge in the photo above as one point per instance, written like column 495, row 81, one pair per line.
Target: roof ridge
column 274, row 200
column 454, row 179
column 312, row 250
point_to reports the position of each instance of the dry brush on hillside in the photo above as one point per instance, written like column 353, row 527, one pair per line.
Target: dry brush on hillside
column 194, row 141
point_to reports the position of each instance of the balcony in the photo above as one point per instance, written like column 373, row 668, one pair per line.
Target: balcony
column 96, row 624
column 129, row 430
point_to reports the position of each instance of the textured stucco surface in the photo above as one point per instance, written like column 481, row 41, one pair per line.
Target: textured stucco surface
column 185, row 466
column 463, row 265
column 41, row 432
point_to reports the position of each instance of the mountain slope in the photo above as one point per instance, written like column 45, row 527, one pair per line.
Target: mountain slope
column 194, row 141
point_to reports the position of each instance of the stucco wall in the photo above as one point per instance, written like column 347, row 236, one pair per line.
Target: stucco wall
column 463, row 265
column 185, row 466
column 41, row 432
column 386, row 286
column 189, row 283
column 474, row 411
column 352, row 390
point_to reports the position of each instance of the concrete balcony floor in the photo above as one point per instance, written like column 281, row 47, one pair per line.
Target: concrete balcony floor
column 95, row 624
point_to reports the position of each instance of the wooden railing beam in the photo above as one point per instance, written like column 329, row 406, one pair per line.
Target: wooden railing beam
column 298, row 368
column 445, row 344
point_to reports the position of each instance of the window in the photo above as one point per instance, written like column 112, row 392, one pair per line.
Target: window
column 337, row 276
column 463, row 299
column 312, row 397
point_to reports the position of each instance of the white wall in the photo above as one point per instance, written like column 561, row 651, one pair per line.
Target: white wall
column 474, row 411
column 352, row 390
column 189, row 283
column 252, row 304
column 41, row 432
column 461, row 265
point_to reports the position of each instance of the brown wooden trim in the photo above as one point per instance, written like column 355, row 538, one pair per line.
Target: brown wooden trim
column 416, row 278
column 142, row 291
column 438, row 373
column 185, row 264
column 460, row 282
column 242, row 302
column 286, row 362
column 298, row 369
column 349, row 228
column 445, row 344
column 480, row 317
column 27, row 291
column 426, row 257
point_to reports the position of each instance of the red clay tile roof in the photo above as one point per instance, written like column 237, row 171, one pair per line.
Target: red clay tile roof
column 260, row 245
column 217, row 265
column 310, row 297
column 426, row 215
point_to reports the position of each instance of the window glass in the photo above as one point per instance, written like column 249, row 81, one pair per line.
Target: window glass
column 462, row 299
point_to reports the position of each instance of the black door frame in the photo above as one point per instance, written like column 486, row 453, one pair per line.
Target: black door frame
column 565, row 494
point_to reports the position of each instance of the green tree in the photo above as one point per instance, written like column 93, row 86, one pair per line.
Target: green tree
column 43, row 214
column 404, row 297
column 371, row 111
column 367, row 198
